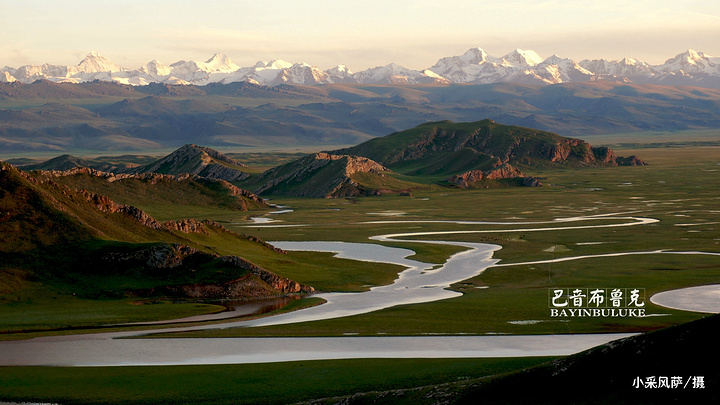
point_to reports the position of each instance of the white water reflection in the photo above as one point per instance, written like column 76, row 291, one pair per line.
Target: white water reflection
column 262, row 220
column 126, row 352
column 419, row 283
column 705, row 298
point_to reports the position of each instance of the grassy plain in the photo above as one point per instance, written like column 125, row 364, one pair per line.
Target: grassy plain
column 275, row 383
column 679, row 187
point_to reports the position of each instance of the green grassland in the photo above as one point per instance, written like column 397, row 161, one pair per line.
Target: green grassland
column 679, row 188
column 275, row 383
column 320, row 270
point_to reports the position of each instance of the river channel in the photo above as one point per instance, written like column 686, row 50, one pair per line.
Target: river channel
column 419, row 282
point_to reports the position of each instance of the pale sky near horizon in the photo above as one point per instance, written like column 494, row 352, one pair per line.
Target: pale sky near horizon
column 359, row 34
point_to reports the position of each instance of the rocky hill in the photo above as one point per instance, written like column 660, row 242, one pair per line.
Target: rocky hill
column 189, row 159
column 468, row 152
column 465, row 155
column 197, row 160
column 320, row 175
column 85, row 244
column 62, row 162
column 152, row 189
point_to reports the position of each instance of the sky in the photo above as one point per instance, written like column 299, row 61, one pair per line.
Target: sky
column 359, row 34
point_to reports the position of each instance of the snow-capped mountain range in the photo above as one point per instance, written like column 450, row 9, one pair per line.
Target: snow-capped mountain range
column 474, row 66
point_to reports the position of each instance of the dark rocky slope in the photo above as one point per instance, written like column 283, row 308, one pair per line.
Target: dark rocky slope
column 86, row 244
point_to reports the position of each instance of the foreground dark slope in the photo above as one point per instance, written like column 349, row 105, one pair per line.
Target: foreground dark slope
column 85, row 244
column 607, row 374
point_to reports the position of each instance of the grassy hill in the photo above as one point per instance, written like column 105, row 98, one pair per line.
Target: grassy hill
column 470, row 154
column 157, row 193
column 446, row 147
column 465, row 153
column 197, row 160
column 327, row 176
column 74, row 244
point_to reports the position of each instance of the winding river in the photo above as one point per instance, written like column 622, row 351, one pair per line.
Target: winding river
column 419, row 282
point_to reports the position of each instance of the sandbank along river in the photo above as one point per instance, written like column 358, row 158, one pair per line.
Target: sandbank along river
column 420, row 282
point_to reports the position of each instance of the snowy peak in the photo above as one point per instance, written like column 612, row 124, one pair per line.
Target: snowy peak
column 396, row 74
column 340, row 70
column 692, row 62
column 692, row 57
column 523, row 58
column 6, row 77
column 474, row 56
column 220, row 63
column 95, row 63
column 279, row 64
column 339, row 74
column 155, row 68
column 473, row 66
column 555, row 60
column 302, row 73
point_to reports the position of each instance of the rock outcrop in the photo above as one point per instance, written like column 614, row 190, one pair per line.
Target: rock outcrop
column 197, row 160
column 255, row 283
column 467, row 179
column 631, row 161
column 105, row 204
column 321, row 174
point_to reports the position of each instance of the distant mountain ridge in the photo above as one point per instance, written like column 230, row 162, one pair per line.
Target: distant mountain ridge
column 474, row 66
column 160, row 116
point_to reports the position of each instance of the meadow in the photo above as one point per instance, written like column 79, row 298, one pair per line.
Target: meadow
column 679, row 188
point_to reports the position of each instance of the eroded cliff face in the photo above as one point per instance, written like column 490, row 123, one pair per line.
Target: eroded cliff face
column 157, row 257
column 105, row 204
column 580, row 152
